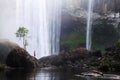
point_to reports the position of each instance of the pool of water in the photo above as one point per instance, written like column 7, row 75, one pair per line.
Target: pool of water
column 43, row 74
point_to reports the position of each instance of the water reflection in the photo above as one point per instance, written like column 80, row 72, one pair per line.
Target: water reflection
column 16, row 75
column 38, row 74
column 53, row 74
column 42, row 74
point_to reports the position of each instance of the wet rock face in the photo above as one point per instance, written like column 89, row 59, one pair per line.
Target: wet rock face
column 20, row 58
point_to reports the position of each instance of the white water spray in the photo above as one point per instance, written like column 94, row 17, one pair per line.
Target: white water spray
column 43, row 19
column 89, row 25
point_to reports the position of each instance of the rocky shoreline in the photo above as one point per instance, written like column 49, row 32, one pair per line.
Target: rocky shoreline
column 81, row 59
column 76, row 61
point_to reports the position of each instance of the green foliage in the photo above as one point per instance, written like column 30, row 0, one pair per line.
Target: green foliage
column 73, row 41
column 111, row 59
column 22, row 33
column 107, row 61
column 110, row 63
column 104, row 33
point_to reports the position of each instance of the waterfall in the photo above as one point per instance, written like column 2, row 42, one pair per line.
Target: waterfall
column 89, row 25
column 43, row 19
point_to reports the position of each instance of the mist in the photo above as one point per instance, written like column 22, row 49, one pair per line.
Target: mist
column 8, row 20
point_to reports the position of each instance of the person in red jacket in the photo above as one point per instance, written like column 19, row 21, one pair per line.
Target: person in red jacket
column 34, row 53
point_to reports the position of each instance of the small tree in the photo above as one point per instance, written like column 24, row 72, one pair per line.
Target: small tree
column 22, row 34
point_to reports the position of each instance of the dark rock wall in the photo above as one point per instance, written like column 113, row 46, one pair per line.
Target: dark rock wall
column 20, row 58
column 72, row 31
column 111, row 5
column 5, row 48
column 73, row 25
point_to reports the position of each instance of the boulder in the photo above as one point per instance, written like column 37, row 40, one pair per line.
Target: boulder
column 5, row 47
column 71, row 59
column 20, row 58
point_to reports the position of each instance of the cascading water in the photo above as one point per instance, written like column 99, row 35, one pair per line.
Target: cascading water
column 89, row 26
column 43, row 19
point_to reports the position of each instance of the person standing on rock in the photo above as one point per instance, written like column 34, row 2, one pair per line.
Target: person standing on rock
column 34, row 53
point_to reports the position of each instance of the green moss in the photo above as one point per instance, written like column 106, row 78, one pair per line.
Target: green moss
column 73, row 40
